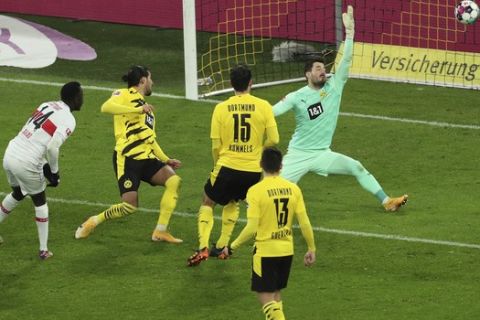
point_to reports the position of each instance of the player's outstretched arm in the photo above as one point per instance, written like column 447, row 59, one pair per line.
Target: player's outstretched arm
column 283, row 105
column 341, row 72
column 349, row 23
column 247, row 233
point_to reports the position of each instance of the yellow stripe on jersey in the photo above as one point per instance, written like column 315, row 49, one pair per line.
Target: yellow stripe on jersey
column 240, row 123
column 275, row 202
column 257, row 264
column 134, row 131
column 120, row 165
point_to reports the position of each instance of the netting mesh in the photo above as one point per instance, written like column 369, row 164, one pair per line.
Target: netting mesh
column 399, row 40
column 273, row 37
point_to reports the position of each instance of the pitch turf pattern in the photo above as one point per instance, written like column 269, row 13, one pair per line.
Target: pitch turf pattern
column 119, row 273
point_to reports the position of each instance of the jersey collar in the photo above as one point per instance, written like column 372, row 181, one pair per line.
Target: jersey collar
column 132, row 90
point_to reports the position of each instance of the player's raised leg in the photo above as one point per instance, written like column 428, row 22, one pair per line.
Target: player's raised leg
column 393, row 204
column 114, row 212
column 330, row 162
column 296, row 164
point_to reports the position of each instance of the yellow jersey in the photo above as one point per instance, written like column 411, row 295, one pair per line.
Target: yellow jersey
column 134, row 131
column 275, row 202
column 240, row 123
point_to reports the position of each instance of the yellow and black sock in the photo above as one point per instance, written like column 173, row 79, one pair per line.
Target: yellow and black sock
column 116, row 211
column 280, row 305
column 273, row 311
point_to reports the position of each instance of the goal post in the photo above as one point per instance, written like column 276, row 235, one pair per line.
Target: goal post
column 273, row 37
column 190, row 49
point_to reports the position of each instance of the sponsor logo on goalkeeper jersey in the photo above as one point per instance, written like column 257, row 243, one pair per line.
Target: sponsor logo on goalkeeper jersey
column 315, row 110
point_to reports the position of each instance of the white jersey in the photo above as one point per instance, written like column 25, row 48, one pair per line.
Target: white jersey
column 30, row 145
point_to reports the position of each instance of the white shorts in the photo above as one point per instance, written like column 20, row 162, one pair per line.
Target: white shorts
column 25, row 175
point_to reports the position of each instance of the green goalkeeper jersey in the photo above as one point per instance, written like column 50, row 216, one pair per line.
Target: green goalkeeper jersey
column 317, row 110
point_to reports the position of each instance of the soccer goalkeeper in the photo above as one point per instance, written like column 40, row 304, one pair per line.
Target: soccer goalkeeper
column 316, row 108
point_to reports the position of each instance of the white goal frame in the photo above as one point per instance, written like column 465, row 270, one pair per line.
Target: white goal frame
column 190, row 52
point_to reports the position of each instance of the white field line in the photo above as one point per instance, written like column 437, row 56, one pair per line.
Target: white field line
column 318, row 229
column 346, row 114
column 428, row 123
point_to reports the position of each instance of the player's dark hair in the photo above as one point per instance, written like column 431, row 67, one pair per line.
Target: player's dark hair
column 271, row 160
column 134, row 75
column 309, row 64
column 70, row 91
column 240, row 77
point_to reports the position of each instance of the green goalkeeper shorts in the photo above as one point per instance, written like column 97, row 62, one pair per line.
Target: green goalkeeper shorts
column 297, row 163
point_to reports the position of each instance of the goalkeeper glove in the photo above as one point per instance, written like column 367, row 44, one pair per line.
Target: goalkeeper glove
column 349, row 23
column 52, row 178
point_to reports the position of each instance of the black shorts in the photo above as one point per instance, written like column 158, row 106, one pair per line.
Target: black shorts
column 274, row 273
column 133, row 171
column 230, row 184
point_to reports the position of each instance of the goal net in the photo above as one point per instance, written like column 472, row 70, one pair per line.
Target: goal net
column 416, row 41
column 395, row 40
column 273, row 37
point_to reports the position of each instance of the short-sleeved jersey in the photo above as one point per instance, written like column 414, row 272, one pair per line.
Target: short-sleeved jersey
column 275, row 201
column 30, row 145
column 240, row 123
column 134, row 132
column 316, row 111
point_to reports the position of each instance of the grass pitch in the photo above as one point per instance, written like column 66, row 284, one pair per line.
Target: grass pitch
column 118, row 273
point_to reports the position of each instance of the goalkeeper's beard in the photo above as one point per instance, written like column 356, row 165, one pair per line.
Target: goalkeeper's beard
column 319, row 83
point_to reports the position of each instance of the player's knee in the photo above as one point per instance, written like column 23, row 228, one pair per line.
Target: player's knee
column 17, row 194
column 173, row 182
column 358, row 169
column 206, row 201
column 39, row 199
